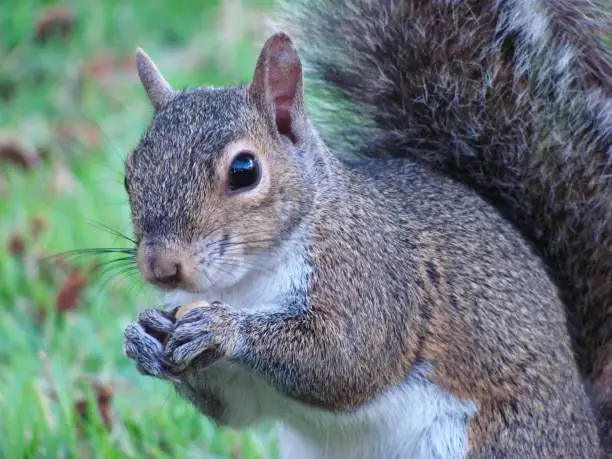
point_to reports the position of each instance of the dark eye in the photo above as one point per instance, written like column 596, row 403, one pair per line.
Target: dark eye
column 125, row 184
column 244, row 172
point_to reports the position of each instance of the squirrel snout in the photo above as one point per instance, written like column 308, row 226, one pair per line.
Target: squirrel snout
column 163, row 267
column 167, row 271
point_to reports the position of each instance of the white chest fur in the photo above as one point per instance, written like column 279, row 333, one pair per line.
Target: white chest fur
column 259, row 290
column 413, row 420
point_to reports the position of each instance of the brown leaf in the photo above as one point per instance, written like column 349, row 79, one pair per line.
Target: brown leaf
column 3, row 187
column 16, row 245
column 69, row 295
column 60, row 262
column 80, row 406
column 54, row 21
column 63, row 181
column 98, row 66
column 104, row 396
column 105, row 65
column 128, row 64
column 18, row 152
column 7, row 90
column 82, row 131
column 38, row 225
column 236, row 451
column 40, row 314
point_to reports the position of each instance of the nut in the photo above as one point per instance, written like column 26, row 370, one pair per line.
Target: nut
column 182, row 310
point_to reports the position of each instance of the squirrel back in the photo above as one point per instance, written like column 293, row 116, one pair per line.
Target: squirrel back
column 513, row 98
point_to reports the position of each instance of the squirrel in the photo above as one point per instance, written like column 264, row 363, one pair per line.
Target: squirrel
column 429, row 276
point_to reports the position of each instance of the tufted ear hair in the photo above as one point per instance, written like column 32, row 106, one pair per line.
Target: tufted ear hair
column 157, row 88
column 277, row 86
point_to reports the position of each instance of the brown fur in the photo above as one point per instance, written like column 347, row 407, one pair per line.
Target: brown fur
column 402, row 267
column 513, row 98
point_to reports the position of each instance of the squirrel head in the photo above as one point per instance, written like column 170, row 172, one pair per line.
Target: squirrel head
column 217, row 183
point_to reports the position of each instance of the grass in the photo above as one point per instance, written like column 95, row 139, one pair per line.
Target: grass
column 65, row 388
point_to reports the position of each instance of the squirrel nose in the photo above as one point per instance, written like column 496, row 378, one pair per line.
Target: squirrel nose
column 166, row 269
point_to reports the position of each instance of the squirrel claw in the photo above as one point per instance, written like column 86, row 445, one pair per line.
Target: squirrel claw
column 158, row 324
column 157, row 320
column 147, row 351
column 204, row 335
column 164, row 347
column 179, row 357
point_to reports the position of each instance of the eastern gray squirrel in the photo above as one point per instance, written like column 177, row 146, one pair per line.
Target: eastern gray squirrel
column 431, row 277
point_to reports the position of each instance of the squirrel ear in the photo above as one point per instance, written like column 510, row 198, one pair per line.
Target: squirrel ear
column 277, row 86
column 157, row 88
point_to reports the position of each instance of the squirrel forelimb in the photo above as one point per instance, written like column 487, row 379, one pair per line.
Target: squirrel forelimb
column 164, row 344
column 207, row 332
column 365, row 304
column 141, row 345
column 204, row 333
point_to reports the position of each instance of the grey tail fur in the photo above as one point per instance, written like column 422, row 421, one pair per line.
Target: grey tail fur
column 513, row 98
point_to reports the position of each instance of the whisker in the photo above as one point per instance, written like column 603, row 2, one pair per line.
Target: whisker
column 141, row 287
column 99, row 225
column 116, row 233
column 110, row 268
column 247, row 241
column 116, row 260
column 242, row 243
column 240, row 263
column 125, row 275
column 108, row 139
column 90, row 251
column 129, row 270
column 207, row 277
column 115, row 265
column 97, row 250
column 223, row 268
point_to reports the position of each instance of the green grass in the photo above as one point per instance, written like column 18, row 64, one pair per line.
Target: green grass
column 78, row 102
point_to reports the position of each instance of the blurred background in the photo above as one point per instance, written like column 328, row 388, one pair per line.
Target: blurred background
column 71, row 108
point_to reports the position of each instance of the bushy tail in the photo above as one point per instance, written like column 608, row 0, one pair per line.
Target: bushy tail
column 513, row 97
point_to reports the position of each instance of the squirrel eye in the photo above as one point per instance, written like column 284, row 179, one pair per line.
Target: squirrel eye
column 125, row 184
column 244, row 171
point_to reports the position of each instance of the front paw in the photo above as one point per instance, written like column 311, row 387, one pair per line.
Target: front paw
column 207, row 332
column 143, row 343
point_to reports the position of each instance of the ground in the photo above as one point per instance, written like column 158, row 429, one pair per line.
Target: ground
column 70, row 110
